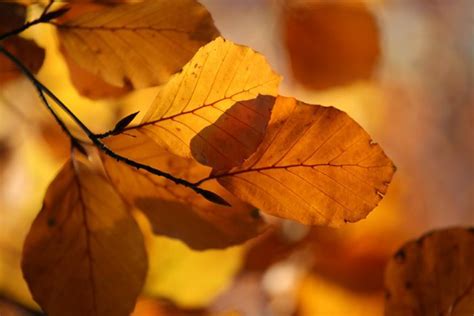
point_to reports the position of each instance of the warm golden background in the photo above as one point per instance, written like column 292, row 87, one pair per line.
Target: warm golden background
column 402, row 69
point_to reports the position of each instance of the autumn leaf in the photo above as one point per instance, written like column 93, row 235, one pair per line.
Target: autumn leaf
column 433, row 275
column 84, row 254
column 27, row 51
column 174, row 210
column 12, row 16
column 90, row 85
column 136, row 45
column 315, row 165
column 330, row 43
column 219, row 87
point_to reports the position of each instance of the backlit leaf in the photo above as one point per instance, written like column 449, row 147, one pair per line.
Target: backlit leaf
column 207, row 100
column 433, row 275
column 174, row 210
column 84, row 254
column 137, row 45
column 315, row 165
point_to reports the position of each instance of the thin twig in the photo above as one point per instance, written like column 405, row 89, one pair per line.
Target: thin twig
column 45, row 17
column 99, row 144
column 47, row 7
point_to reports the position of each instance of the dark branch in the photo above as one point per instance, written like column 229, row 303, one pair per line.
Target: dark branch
column 97, row 142
column 45, row 17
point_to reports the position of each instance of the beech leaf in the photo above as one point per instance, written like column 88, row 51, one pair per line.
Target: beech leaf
column 174, row 210
column 136, row 45
column 218, row 90
column 84, row 254
column 433, row 275
column 315, row 165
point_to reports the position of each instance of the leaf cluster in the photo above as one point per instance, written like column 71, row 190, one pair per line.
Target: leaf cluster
column 217, row 146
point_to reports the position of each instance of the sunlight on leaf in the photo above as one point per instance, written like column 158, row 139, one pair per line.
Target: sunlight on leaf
column 316, row 166
column 210, row 91
column 84, row 254
column 137, row 45
column 433, row 275
column 189, row 278
column 175, row 210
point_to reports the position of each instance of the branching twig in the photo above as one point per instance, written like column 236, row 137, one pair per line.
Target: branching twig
column 45, row 17
column 97, row 142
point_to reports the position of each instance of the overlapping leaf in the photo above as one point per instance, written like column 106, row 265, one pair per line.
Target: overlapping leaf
column 433, row 275
column 137, row 45
column 84, row 254
column 217, row 91
column 315, row 165
column 172, row 209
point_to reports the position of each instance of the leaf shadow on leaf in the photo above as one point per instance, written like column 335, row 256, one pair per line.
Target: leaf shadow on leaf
column 168, row 220
column 235, row 135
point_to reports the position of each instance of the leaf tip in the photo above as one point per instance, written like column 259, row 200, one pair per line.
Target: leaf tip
column 212, row 197
column 55, row 14
column 124, row 122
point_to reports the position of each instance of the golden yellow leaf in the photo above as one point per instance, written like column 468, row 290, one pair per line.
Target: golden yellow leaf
column 174, row 210
column 433, row 275
column 210, row 92
column 137, row 45
column 189, row 278
column 330, row 43
column 84, row 254
column 315, row 165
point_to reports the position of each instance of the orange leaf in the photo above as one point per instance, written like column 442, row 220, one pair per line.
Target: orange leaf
column 315, row 165
column 433, row 275
column 208, row 95
column 84, row 254
column 330, row 43
column 137, row 45
column 174, row 210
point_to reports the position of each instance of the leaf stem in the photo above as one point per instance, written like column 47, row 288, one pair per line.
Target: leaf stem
column 96, row 141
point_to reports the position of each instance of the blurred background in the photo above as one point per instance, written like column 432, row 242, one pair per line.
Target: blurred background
column 403, row 69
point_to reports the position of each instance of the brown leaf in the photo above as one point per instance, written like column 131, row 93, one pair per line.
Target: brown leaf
column 433, row 275
column 84, row 254
column 12, row 16
column 31, row 55
column 137, row 45
column 206, row 102
column 330, row 43
column 315, row 165
column 174, row 210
